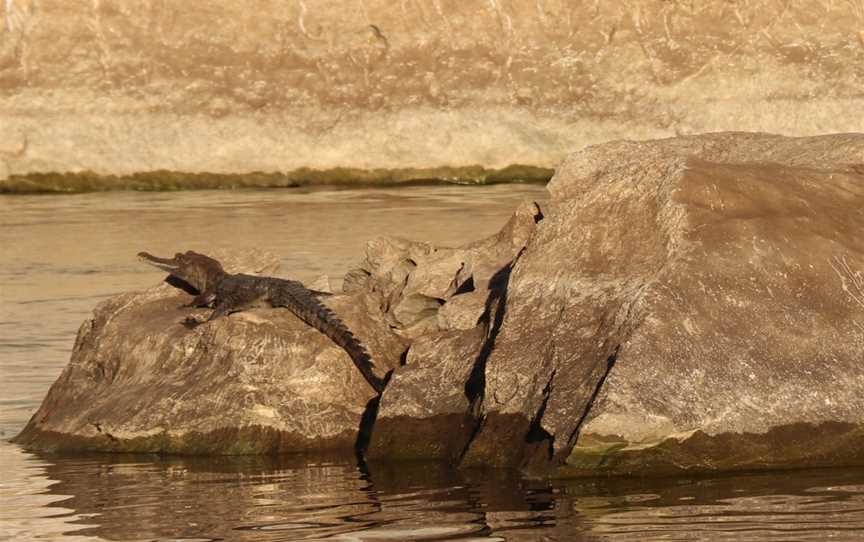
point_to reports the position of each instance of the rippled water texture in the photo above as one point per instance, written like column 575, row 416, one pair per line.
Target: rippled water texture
column 60, row 255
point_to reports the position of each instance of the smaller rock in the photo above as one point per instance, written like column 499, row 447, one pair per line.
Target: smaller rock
column 425, row 411
column 321, row 284
column 257, row 381
column 462, row 311
column 428, row 408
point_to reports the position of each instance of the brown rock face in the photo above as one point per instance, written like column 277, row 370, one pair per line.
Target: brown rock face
column 259, row 381
column 118, row 87
column 427, row 410
column 745, row 336
column 687, row 304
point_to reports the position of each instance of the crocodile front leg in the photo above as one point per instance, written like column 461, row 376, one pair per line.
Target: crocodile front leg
column 223, row 307
column 204, row 299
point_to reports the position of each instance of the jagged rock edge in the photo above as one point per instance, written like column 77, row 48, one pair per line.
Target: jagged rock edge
column 496, row 301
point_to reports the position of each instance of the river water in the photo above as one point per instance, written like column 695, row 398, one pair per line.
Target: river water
column 60, row 255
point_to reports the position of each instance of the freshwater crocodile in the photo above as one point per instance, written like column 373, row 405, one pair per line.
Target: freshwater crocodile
column 227, row 293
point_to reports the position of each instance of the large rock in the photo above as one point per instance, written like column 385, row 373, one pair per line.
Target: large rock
column 258, row 381
column 687, row 304
column 119, row 87
column 691, row 303
column 742, row 302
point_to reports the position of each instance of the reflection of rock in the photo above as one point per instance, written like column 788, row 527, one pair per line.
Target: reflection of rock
column 291, row 497
column 685, row 304
column 326, row 497
column 120, row 87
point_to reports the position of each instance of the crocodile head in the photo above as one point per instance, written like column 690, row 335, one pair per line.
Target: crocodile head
column 191, row 269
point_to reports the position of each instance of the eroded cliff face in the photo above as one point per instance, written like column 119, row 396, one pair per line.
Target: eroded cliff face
column 115, row 87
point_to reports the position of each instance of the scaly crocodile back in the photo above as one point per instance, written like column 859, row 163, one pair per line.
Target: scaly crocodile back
column 298, row 299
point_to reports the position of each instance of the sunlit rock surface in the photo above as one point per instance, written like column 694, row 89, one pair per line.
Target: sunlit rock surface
column 685, row 304
column 688, row 304
column 426, row 411
column 258, row 381
column 412, row 90
column 738, row 263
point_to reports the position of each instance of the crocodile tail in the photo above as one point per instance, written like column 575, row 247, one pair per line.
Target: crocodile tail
column 307, row 307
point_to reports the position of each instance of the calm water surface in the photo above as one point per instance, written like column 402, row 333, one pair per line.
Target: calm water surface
column 60, row 255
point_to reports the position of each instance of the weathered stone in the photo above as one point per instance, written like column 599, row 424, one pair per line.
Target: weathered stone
column 463, row 311
column 119, row 87
column 687, row 304
column 745, row 347
column 321, row 284
column 427, row 410
column 414, row 280
column 684, row 304
column 258, row 381
column 672, row 312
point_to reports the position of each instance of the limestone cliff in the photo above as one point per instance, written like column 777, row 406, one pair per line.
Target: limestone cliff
column 399, row 91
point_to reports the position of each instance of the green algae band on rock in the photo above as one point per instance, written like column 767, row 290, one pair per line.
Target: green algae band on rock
column 688, row 304
column 164, row 180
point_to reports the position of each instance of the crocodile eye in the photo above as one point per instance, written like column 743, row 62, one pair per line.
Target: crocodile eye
column 178, row 255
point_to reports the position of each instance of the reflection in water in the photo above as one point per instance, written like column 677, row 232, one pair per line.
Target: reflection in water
column 121, row 497
column 28, row 505
column 60, row 255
